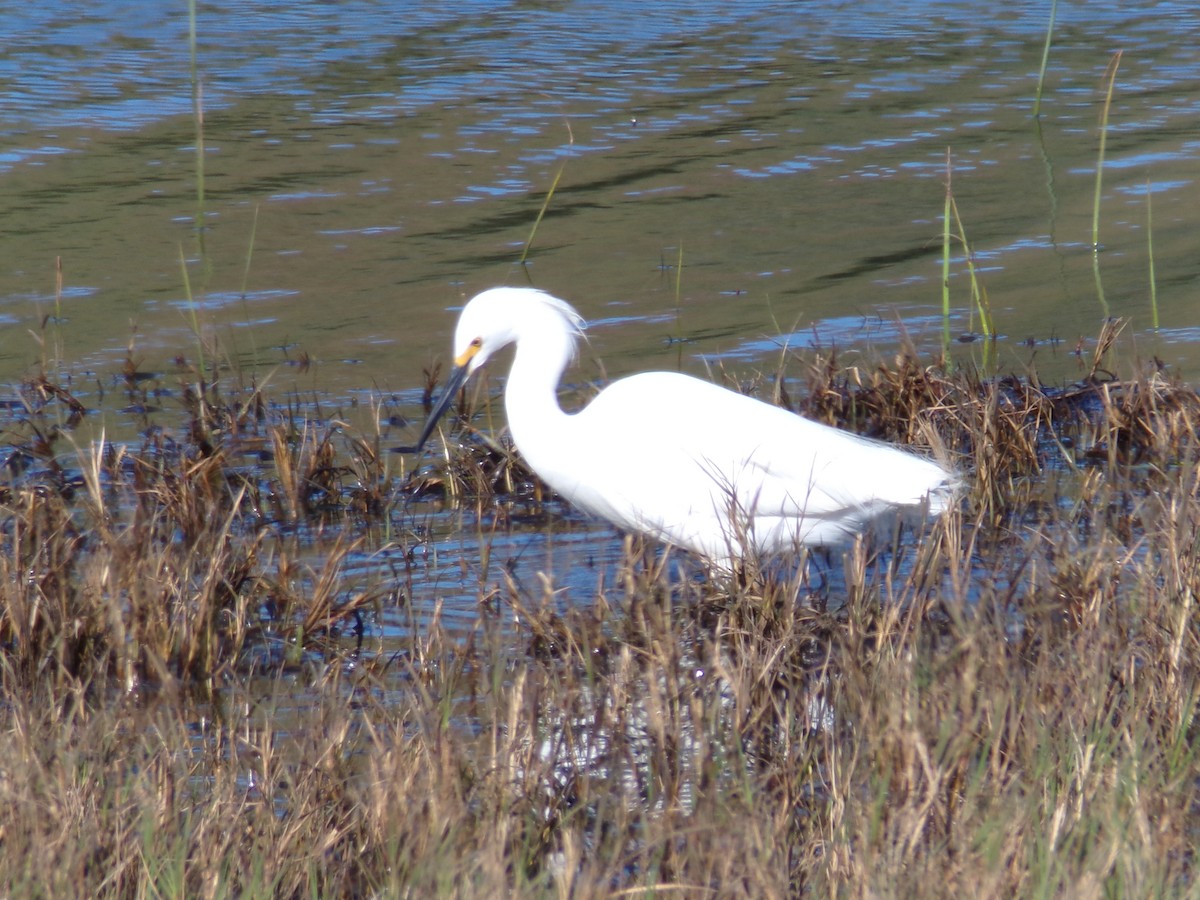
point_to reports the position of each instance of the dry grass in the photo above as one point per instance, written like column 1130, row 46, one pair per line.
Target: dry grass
column 1005, row 707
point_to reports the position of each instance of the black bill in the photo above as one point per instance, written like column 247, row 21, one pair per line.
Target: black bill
column 457, row 377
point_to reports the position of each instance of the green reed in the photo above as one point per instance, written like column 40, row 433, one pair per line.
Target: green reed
column 679, row 307
column 546, row 201
column 1150, row 255
column 246, row 281
column 979, row 296
column 946, row 262
column 1037, row 102
column 1111, row 75
column 197, row 114
column 249, row 251
column 193, row 315
column 58, row 349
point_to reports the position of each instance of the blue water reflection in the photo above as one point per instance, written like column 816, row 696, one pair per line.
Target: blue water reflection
column 122, row 65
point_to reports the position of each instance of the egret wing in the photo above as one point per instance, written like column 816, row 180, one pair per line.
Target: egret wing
column 775, row 463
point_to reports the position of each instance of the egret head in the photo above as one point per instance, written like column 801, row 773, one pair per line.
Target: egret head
column 500, row 316
column 486, row 324
column 490, row 322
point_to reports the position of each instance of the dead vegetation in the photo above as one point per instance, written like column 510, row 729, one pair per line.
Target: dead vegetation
column 1002, row 707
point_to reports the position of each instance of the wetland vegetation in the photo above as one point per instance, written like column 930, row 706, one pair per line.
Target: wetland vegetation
column 197, row 704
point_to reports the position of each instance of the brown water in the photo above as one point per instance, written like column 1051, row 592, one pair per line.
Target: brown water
column 733, row 178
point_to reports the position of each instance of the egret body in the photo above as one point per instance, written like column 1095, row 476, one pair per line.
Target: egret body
column 676, row 458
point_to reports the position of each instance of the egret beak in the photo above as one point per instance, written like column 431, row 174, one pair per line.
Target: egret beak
column 458, row 377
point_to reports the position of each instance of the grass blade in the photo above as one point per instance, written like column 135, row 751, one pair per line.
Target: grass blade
column 1150, row 255
column 1111, row 74
column 546, row 201
column 946, row 262
column 1037, row 101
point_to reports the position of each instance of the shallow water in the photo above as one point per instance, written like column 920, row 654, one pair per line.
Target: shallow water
column 733, row 179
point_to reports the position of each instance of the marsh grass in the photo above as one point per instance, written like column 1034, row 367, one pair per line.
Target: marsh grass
column 979, row 298
column 195, row 705
column 1153, row 280
column 1110, row 76
column 546, row 200
column 1041, row 82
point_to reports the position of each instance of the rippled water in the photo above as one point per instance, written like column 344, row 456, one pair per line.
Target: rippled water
column 733, row 179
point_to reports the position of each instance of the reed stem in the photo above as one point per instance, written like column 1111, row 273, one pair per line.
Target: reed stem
column 946, row 261
column 1111, row 73
column 1037, row 101
column 1150, row 255
column 546, row 202
column 193, row 314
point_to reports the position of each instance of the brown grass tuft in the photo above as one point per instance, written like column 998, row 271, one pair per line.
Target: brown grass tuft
column 198, row 699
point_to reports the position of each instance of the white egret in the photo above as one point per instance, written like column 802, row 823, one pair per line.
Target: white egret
column 678, row 459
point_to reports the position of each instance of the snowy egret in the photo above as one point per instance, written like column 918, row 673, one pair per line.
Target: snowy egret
column 678, row 459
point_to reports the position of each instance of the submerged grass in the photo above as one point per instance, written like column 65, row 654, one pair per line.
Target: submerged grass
column 1004, row 707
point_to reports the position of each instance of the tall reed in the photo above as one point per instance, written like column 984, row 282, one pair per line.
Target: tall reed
column 1037, row 102
column 946, row 261
column 193, row 316
column 1110, row 74
column 546, row 201
column 1150, row 255
column 197, row 114
column 679, row 307
column 979, row 296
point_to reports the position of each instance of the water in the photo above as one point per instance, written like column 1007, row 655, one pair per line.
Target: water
column 734, row 179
